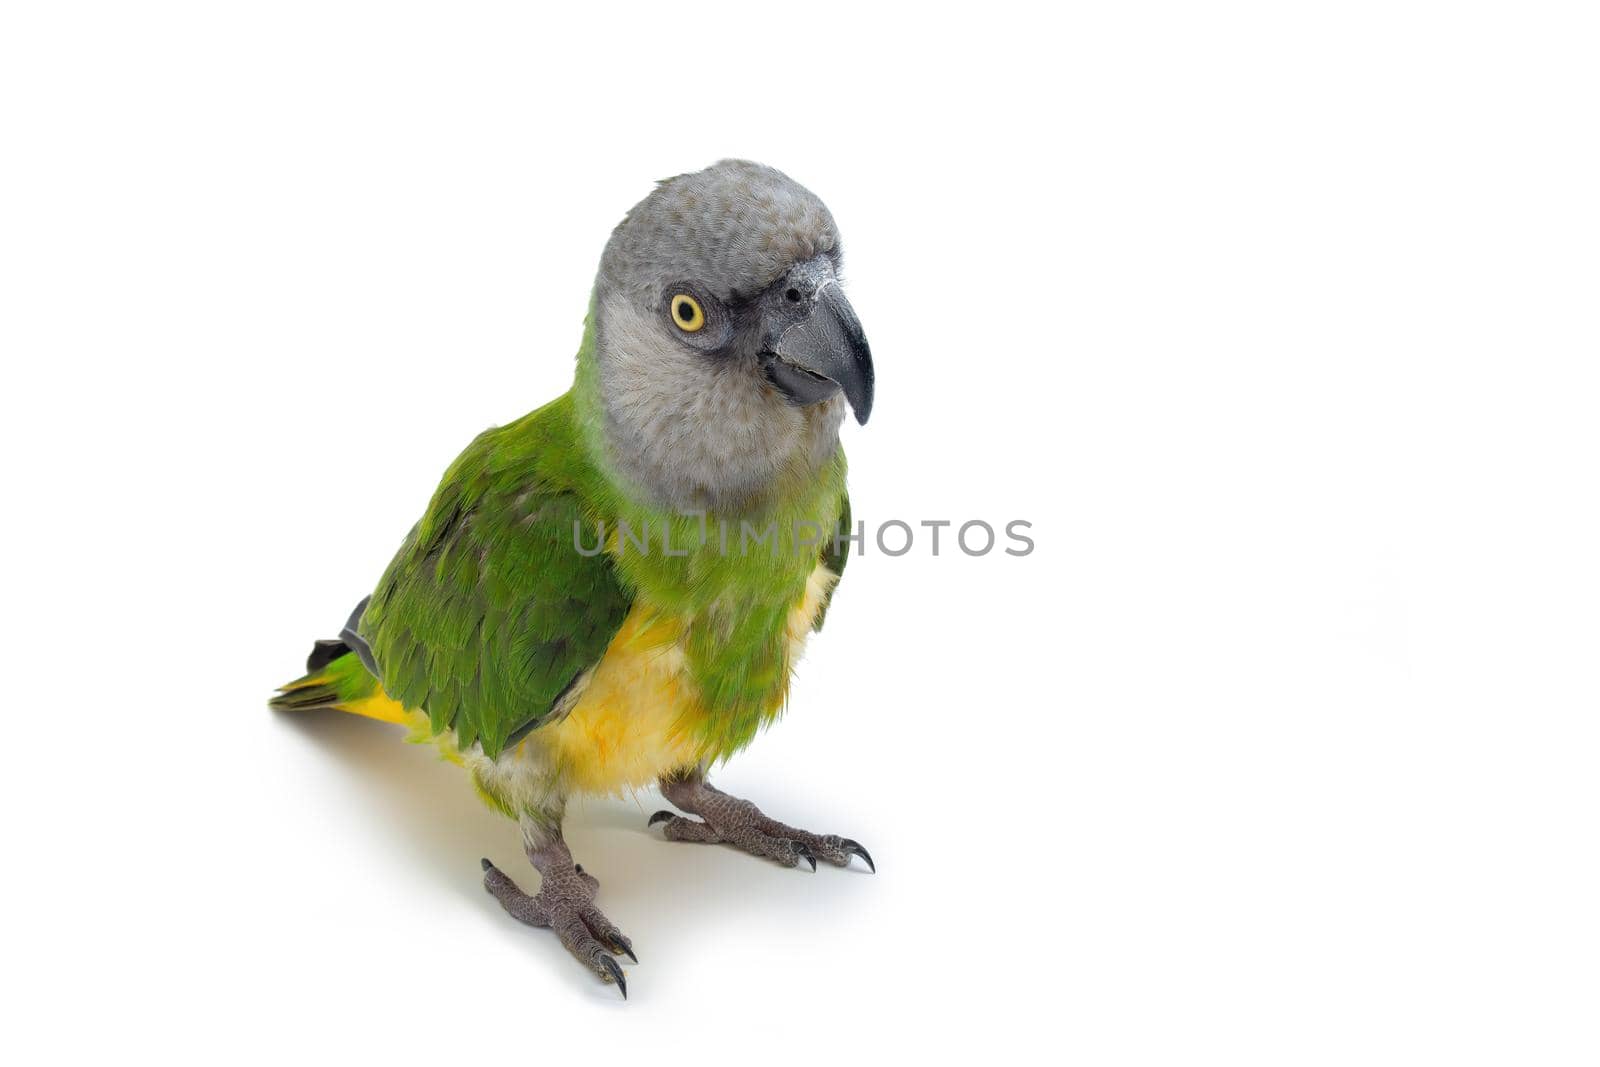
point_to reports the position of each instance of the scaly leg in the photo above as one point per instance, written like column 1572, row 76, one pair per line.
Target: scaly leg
column 729, row 820
column 564, row 902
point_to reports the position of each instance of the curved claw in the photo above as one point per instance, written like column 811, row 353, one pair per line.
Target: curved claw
column 806, row 854
column 855, row 849
column 486, row 864
column 661, row 816
column 622, row 945
column 616, row 974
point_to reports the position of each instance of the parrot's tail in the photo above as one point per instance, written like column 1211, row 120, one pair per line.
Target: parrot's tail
column 336, row 678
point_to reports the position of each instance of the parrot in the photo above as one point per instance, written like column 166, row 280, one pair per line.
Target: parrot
column 612, row 591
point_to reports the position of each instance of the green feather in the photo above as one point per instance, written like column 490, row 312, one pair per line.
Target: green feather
column 486, row 612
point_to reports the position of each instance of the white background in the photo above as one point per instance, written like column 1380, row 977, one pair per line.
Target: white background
column 1278, row 323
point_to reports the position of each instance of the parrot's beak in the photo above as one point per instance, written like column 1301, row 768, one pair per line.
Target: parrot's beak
column 815, row 346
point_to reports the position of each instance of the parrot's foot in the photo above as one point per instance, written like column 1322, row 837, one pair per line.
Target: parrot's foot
column 565, row 903
column 728, row 820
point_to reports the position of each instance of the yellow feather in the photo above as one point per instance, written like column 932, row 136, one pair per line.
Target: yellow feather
column 378, row 706
column 633, row 721
column 636, row 720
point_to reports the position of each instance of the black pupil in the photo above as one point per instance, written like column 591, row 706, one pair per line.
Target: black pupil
column 793, row 295
column 685, row 311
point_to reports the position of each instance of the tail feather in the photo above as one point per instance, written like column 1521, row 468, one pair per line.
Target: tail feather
column 336, row 678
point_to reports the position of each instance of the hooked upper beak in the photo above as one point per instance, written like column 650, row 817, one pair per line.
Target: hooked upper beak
column 815, row 345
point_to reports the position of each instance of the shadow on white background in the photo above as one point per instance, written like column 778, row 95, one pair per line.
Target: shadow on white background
column 664, row 895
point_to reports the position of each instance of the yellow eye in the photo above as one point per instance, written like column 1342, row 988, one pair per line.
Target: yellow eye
column 686, row 313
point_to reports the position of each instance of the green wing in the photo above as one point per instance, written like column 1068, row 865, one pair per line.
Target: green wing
column 835, row 554
column 489, row 613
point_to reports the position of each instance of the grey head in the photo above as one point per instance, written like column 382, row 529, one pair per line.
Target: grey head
column 726, row 351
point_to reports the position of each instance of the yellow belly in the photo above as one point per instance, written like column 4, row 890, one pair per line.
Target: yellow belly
column 636, row 719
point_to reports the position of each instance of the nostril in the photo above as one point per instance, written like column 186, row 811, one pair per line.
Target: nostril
column 792, row 295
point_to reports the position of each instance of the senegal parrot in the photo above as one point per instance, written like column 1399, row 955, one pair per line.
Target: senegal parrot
column 614, row 589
